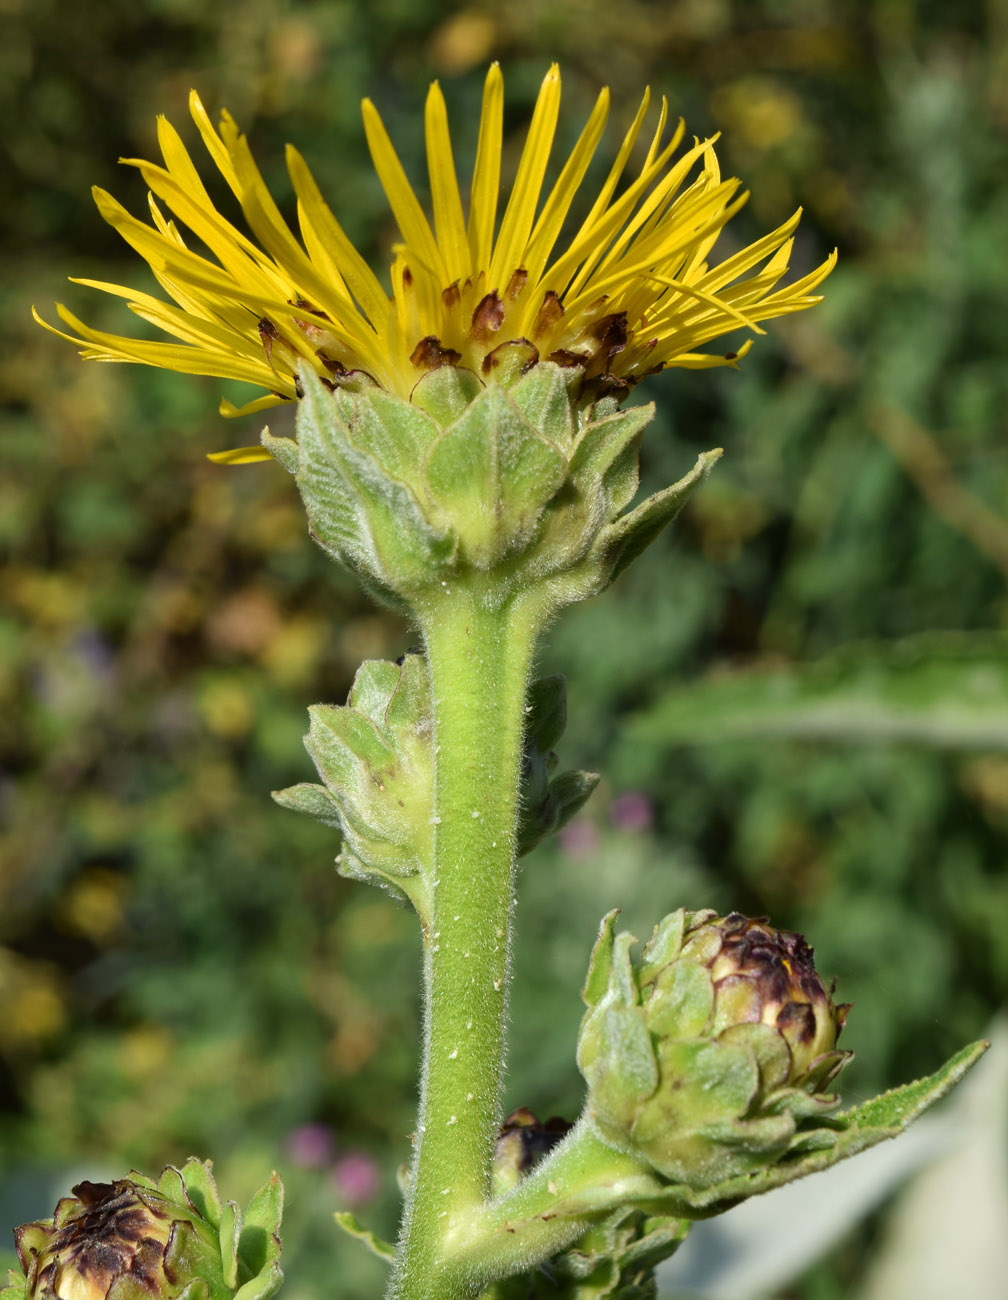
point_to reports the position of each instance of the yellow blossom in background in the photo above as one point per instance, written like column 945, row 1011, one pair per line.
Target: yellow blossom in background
column 633, row 289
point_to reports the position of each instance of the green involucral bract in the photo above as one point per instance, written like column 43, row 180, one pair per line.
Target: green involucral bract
column 375, row 755
column 709, row 1055
column 525, row 477
column 141, row 1239
column 614, row 1261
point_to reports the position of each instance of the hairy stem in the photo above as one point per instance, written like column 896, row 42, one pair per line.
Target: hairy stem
column 574, row 1188
column 480, row 657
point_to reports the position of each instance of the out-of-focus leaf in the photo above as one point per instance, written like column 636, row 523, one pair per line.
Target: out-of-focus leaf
column 945, row 691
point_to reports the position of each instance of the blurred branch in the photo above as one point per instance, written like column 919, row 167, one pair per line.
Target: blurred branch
column 925, row 462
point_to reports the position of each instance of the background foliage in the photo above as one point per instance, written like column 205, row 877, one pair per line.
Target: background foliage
column 180, row 968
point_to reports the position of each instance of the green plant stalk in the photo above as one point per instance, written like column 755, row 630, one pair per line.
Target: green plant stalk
column 573, row 1189
column 480, row 656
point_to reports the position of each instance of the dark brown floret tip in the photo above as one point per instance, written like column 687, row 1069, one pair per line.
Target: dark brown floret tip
column 781, row 960
column 487, row 318
column 430, row 355
column 564, row 357
column 516, row 284
column 334, row 367
column 611, row 333
column 112, row 1233
column 797, row 1022
column 550, row 313
column 268, row 335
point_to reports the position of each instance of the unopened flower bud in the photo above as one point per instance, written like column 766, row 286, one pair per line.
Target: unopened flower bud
column 710, row 1054
column 521, row 1143
column 135, row 1239
column 375, row 755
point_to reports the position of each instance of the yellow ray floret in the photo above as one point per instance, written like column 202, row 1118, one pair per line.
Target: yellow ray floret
column 631, row 290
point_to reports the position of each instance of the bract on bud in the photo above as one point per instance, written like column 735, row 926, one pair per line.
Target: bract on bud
column 617, row 1259
column 710, row 1054
column 375, row 755
column 136, row 1239
column 548, row 802
column 527, row 477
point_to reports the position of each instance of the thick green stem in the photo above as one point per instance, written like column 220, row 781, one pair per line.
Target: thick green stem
column 480, row 657
column 581, row 1181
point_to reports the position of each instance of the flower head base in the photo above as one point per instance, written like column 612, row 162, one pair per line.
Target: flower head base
column 137, row 1239
column 632, row 291
column 710, row 1055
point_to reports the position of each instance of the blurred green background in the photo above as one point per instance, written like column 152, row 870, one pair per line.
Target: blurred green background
column 798, row 698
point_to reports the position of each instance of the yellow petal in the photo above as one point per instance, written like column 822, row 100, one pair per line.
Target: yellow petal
column 230, row 411
column 214, row 144
column 592, row 242
column 167, row 356
column 405, row 207
column 486, row 172
column 239, row 456
column 252, row 308
column 521, row 209
column 361, row 280
column 555, row 210
column 449, row 224
column 691, row 291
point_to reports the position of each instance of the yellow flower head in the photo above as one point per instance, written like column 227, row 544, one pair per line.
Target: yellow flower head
column 631, row 292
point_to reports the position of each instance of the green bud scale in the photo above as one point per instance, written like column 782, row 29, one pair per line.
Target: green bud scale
column 137, row 1239
column 709, row 1055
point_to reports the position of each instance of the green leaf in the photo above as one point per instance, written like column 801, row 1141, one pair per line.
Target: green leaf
column 395, row 433
column 172, row 1185
column 663, row 947
column 947, row 691
column 341, row 742
column 352, row 1225
column 411, row 891
column 566, row 795
column 661, row 1239
column 358, row 511
column 410, row 708
column 373, row 686
column 546, row 712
